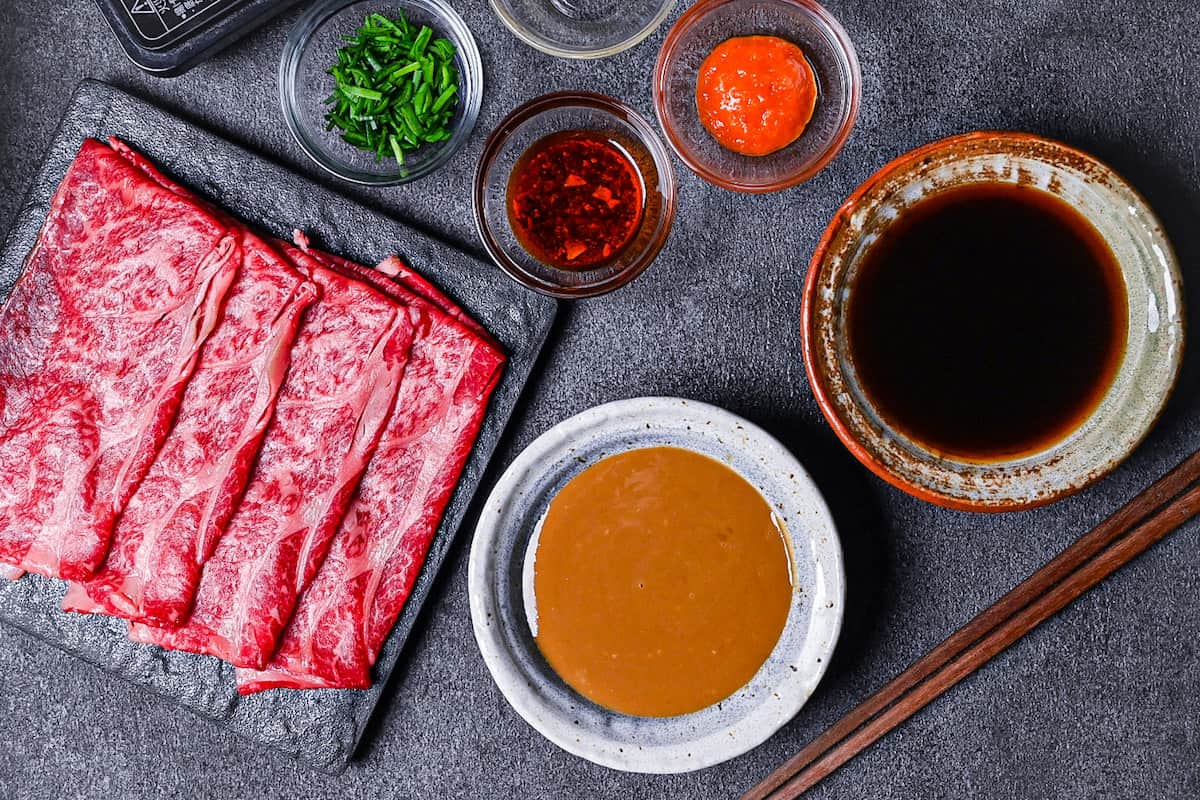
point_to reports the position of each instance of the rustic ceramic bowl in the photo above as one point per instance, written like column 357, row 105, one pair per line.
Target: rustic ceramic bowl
column 501, row 577
column 1144, row 379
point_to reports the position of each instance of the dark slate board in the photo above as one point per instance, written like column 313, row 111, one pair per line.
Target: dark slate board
column 319, row 727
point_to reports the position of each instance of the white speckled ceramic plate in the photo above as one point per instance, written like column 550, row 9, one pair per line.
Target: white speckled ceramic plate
column 498, row 591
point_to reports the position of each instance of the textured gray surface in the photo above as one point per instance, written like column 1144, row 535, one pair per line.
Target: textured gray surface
column 321, row 728
column 1102, row 702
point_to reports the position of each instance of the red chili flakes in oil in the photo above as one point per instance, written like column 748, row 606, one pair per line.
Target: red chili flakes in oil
column 575, row 199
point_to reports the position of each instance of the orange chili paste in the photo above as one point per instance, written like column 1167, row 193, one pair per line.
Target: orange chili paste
column 756, row 94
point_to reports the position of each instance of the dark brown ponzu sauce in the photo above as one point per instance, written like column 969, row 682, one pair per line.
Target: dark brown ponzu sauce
column 987, row 321
column 575, row 199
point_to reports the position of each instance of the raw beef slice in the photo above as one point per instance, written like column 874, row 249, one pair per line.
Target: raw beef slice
column 404, row 285
column 346, row 367
column 396, row 279
column 178, row 513
column 416, row 283
column 10, row 573
column 348, row 610
column 97, row 341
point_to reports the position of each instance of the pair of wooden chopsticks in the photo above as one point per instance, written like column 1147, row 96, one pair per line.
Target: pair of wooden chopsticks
column 1116, row 541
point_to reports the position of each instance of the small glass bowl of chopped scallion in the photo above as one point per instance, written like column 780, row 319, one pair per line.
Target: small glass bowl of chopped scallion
column 396, row 88
column 380, row 92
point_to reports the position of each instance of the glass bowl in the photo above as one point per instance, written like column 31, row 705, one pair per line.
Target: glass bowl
column 573, row 111
column 582, row 28
column 311, row 48
column 830, row 54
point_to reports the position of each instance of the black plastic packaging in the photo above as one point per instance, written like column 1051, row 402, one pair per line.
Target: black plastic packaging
column 166, row 37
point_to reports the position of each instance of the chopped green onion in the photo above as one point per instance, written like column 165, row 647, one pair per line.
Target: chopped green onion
column 400, row 70
column 445, row 97
column 365, row 94
column 374, row 107
column 411, row 121
column 418, row 48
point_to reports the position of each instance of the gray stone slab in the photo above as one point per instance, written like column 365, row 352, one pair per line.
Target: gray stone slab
column 321, row 727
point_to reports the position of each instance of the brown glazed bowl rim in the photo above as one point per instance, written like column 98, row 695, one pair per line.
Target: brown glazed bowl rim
column 837, row 241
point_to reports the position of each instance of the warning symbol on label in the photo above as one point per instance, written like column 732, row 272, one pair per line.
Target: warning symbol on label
column 158, row 20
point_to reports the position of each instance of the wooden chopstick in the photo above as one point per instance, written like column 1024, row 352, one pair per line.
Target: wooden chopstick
column 1118, row 539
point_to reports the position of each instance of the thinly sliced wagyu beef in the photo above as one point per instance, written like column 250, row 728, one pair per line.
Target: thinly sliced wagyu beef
column 97, row 342
column 346, row 367
column 178, row 513
column 416, row 283
column 348, row 610
column 10, row 573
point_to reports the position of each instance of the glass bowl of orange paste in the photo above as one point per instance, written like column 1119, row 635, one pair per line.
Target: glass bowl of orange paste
column 757, row 95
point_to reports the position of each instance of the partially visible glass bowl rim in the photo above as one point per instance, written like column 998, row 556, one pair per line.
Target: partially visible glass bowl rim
column 289, row 64
column 845, row 48
column 649, row 139
column 538, row 42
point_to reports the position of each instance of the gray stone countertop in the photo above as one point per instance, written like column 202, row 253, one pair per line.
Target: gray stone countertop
column 1102, row 702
